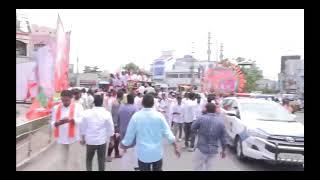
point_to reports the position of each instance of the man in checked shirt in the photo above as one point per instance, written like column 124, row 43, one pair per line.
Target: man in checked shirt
column 210, row 129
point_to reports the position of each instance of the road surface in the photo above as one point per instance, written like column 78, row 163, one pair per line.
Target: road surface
column 48, row 161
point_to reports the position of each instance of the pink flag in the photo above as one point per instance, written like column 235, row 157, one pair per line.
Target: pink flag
column 62, row 58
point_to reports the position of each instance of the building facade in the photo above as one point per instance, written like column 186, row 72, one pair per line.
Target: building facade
column 267, row 84
column 176, row 71
column 291, row 77
column 23, row 39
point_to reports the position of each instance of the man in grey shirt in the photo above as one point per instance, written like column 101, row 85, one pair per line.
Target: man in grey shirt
column 210, row 129
column 124, row 115
column 116, row 137
column 126, row 111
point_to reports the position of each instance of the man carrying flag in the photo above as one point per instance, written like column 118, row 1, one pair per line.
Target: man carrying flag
column 66, row 118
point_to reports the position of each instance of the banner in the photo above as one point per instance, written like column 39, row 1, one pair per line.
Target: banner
column 25, row 81
column 223, row 79
column 159, row 69
column 44, row 74
column 52, row 74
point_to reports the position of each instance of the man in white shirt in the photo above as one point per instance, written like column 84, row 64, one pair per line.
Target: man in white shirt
column 189, row 110
column 66, row 118
column 124, row 79
column 199, row 108
column 134, row 77
column 163, row 107
column 96, row 129
column 84, row 97
column 77, row 96
column 117, row 83
column 177, row 118
column 141, row 89
column 149, row 89
column 90, row 99
column 138, row 101
column 171, row 102
column 139, row 77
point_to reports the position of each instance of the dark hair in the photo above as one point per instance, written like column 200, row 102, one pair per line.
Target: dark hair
column 124, row 90
column 285, row 101
column 83, row 90
column 179, row 97
column 98, row 100
column 90, row 92
column 211, row 108
column 130, row 98
column 211, row 97
column 148, row 101
column 76, row 91
column 120, row 94
column 192, row 96
column 66, row 93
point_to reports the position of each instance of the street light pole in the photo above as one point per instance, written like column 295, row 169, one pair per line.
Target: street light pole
column 209, row 50
column 192, row 65
column 78, row 80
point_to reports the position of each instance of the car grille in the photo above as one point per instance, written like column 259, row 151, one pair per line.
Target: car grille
column 281, row 141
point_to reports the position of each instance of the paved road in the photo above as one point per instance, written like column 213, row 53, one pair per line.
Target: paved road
column 48, row 161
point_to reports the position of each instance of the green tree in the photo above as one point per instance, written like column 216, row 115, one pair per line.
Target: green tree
column 268, row 91
column 87, row 69
column 95, row 69
column 91, row 69
column 132, row 67
column 252, row 75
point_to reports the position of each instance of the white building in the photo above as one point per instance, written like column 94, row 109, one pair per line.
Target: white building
column 175, row 71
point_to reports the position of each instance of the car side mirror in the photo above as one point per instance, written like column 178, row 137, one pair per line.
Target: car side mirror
column 231, row 113
column 293, row 116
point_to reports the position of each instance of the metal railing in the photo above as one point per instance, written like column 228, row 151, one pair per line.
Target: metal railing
column 32, row 137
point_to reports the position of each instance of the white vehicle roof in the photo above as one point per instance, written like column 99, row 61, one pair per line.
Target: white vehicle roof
column 249, row 100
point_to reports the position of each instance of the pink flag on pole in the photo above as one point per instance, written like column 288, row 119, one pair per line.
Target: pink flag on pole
column 62, row 58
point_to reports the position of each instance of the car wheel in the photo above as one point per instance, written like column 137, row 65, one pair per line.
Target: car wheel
column 238, row 148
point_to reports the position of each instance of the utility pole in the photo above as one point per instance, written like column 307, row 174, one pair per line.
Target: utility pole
column 209, row 50
column 192, row 65
column 78, row 80
column 221, row 52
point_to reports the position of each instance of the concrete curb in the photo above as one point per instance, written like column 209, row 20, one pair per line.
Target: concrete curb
column 25, row 162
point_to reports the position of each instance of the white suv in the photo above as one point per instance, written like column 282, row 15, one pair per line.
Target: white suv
column 262, row 129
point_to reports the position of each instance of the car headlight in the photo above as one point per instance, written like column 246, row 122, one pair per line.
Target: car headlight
column 257, row 133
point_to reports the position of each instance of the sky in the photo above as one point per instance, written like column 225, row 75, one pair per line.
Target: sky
column 110, row 38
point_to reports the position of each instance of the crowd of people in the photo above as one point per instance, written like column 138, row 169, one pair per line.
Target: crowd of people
column 132, row 124
column 121, row 80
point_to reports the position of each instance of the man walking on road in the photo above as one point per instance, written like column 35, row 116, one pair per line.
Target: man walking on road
column 126, row 111
column 149, row 127
column 189, row 114
column 96, row 129
column 177, row 118
column 66, row 118
column 210, row 129
column 116, row 136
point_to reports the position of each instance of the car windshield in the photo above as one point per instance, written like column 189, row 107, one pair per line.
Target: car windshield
column 265, row 111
